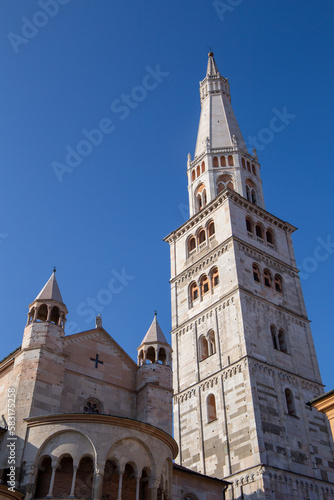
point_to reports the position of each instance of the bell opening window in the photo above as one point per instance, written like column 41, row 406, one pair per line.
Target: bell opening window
column 267, row 279
column 211, row 408
column 290, row 404
column 256, row 273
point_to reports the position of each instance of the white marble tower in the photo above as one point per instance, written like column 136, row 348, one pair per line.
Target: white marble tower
column 243, row 356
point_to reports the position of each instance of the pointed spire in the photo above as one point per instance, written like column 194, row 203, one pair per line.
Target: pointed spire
column 154, row 348
column 218, row 126
column 212, row 69
column 154, row 334
column 51, row 290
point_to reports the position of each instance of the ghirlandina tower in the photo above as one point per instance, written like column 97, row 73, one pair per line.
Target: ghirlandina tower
column 244, row 361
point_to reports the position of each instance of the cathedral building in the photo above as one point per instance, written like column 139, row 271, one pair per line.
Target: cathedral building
column 82, row 420
column 244, row 363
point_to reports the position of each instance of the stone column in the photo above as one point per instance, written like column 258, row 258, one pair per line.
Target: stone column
column 152, row 490
column 75, row 468
column 137, row 487
column 53, row 475
column 49, row 313
column 119, row 496
column 98, row 483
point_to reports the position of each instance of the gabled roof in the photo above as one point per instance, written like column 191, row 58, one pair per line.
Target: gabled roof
column 51, row 290
column 154, row 334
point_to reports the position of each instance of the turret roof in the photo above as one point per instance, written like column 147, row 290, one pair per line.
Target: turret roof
column 51, row 290
column 154, row 334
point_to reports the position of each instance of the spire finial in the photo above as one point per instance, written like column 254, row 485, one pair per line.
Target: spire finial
column 54, row 269
column 155, row 312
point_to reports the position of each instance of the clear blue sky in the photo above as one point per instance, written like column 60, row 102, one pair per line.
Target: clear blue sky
column 110, row 212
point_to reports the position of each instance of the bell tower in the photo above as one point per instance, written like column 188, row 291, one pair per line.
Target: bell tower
column 244, row 363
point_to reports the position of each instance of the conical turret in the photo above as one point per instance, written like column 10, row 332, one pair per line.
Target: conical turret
column 48, row 306
column 154, row 347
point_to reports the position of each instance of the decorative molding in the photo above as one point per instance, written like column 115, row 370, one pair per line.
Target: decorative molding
column 269, row 261
column 217, row 202
column 70, row 419
column 209, row 384
column 202, row 317
column 285, row 377
column 209, row 260
column 230, row 372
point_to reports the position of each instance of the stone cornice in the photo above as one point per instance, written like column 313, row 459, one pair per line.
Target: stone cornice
column 223, row 150
column 208, row 259
column 266, row 257
column 291, row 315
column 222, row 303
column 217, row 202
column 110, row 420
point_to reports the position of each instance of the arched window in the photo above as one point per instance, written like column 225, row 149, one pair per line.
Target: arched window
column 278, row 283
column 204, row 285
column 84, row 478
column 43, row 477
column 204, row 348
column 162, row 356
column 230, row 161
column 267, row 279
column 150, row 354
column 243, row 163
column 42, row 313
column 215, row 161
column 63, row 478
column 201, row 236
column 223, row 182
column 290, row 404
column 129, row 482
column 274, row 336
column 198, row 170
column 193, row 175
column 211, row 407
column 214, row 277
column 211, row 229
column 251, row 191
column 203, row 166
column 259, row 231
column 249, row 225
column 212, row 343
column 191, row 244
column 200, row 197
column 256, row 273
column 54, row 317
column 282, row 341
column 222, row 161
column 194, row 292
column 110, row 479
column 253, row 169
column 270, row 236
column 248, row 166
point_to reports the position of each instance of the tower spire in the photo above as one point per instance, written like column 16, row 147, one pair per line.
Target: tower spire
column 221, row 156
